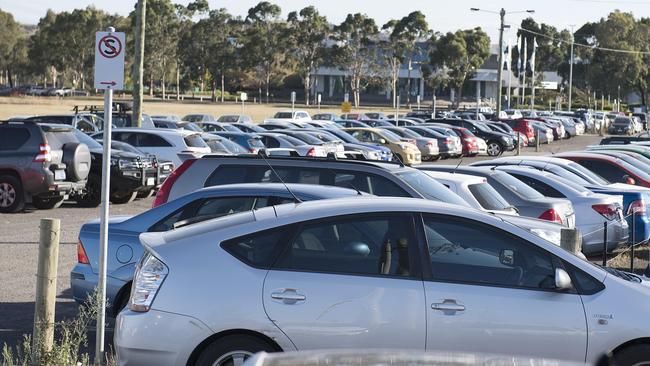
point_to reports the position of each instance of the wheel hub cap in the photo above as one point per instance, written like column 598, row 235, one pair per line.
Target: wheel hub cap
column 234, row 358
column 7, row 195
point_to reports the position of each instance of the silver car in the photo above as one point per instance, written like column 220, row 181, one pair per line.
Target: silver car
column 428, row 146
column 592, row 210
column 374, row 273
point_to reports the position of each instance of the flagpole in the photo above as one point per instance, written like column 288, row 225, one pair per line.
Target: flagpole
column 523, row 67
column 532, row 69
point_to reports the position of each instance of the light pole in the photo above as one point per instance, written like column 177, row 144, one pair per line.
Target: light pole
column 571, row 69
column 502, row 14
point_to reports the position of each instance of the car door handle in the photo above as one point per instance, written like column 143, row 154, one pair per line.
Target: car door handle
column 448, row 305
column 288, row 296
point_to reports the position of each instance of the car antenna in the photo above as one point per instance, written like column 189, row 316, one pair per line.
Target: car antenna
column 399, row 159
column 457, row 165
column 261, row 154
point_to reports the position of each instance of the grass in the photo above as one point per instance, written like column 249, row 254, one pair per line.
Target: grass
column 29, row 106
column 622, row 259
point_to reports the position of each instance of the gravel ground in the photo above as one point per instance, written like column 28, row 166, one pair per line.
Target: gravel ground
column 19, row 251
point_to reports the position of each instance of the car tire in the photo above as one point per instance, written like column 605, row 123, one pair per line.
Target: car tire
column 145, row 194
column 12, row 198
column 47, row 203
column 226, row 350
column 120, row 198
column 494, row 148
column 92, row 195
column 638, row 354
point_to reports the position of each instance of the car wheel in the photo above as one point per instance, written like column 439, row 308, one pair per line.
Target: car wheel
column 494, row 148
column 92, row 195
column 123, row 197
column 12, row 198
column 567, row 135
column 47, row 203
column 636, row 355
column 145, row 194
column 232, row 350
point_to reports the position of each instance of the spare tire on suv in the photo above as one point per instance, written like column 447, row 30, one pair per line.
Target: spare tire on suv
column 76, row 157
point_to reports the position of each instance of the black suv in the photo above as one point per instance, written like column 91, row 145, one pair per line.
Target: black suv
column 497, row 142
column 42, row 164
column 132, row 174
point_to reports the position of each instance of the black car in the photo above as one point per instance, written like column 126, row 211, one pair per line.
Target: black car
column 497, row 142
column 131, row 174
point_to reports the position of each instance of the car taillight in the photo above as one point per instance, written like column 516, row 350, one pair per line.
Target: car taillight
column 607, row 211
column 432, row 143
column 448, row 141
column 81, row 253
column 149, row 276
column 551, row 215
column 637, row 207
column 163, row 193
column 44, row 154
column 253, row 150
column 530, row 132
column 311, row 152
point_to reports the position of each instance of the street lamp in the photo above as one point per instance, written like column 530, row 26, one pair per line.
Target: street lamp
column 502, row 13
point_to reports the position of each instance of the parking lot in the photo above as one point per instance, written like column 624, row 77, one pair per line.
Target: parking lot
column 19, row 243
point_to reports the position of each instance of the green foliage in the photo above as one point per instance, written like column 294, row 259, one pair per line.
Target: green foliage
column 70, row 337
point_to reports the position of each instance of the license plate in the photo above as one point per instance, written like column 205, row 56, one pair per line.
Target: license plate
column 59, row 174
column 151, row 181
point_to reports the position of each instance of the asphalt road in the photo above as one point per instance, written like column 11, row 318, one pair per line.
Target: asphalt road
column 19, row 252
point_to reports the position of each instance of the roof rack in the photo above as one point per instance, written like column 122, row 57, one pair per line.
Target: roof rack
column 303, row 158
column 118, row 107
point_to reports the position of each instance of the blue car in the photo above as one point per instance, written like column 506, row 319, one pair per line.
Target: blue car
column 124, row 248
column 384, row 152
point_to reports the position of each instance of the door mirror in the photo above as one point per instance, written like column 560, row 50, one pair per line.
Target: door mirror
column 562, row 280
column 507, row 257
column 629, row 180
column 382, row 141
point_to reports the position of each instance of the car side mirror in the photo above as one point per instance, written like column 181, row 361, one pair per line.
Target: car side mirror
column 382, row 141
column 507, row 257
column 562, row 280
column 629, row 180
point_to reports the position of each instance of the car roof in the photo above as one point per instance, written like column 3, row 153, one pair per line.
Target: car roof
column 580, row 154
column 458, row 178
column 300, row 190
column 390, row 166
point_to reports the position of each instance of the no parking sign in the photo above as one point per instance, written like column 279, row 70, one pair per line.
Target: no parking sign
column 109, row 60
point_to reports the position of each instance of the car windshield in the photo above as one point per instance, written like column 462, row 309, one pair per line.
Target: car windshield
column 481, row 126
column 410, row 134
column 228, row 118
column 190, row 127
column 517, row 186
column 430, row 188
column 82, row 137
column 233, row 147
column 283, row 115
column 488, row 197
column 194, row 140
column 123, row 146
column 623, row 121
column 346, row 137
column 574, row 186
column 390, row 136
column 292, row 140
column 256, row 142
column 307, row 138
column 597, row 179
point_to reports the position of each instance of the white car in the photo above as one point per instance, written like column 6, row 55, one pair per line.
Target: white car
column 514, row 113
column 301, row 117
column 166, row 144
column 372, row 273
column 474, row 190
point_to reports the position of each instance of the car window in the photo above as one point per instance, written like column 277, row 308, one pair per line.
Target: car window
column 515, row 185
column 375, row 245
column 610, row 172
column 470, row 252
column 293, row 141
column 13, row 138
column 270, row 142
column 84, row 126
column 205, row 209
column 259, row 249
column 151, row 140
column 89, row 141
column 539, row 186
column 430, row 188
column 207, row 127
column 194, row 141
column 256, row 142
column 488, row 197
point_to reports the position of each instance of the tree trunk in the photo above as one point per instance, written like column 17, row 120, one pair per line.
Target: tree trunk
column 163, row 86
column 259, row 91
column 223, row 89
column 307, row 82
column 10, row 78
column 214, row 92
column 151, row 85
column 268, row 80
column 178, row 81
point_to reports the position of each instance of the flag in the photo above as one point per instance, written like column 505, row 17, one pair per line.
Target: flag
column 507, row 59
column 518, row 53
column 532, row 56
column 525, row 62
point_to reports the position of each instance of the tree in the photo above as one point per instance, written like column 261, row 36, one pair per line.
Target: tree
column 13, row 46
column 355, row 50
column 263, row 44
column 459, row 54
column 400, row 45
column 307, row 31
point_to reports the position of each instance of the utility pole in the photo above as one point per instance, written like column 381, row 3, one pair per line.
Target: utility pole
column 502, row 15
column 138, row 63
column 571, row 68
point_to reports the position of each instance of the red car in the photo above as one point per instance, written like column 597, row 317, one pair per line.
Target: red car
column 467, row 139
column 610, row 168
column 522, row 125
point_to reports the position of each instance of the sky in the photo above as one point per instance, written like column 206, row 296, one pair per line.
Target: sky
column 442, row 16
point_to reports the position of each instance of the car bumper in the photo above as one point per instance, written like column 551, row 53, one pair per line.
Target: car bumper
column 593, row 236
column 641, row 229
column 83, row 283
column 156, row 338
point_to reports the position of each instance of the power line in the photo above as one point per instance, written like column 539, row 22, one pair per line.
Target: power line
column 593, row 47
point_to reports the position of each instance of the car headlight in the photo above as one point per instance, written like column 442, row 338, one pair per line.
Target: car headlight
column 149, row 276
column 548, row 235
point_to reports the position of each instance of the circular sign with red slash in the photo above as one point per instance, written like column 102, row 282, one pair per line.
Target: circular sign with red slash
column 110, row 46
